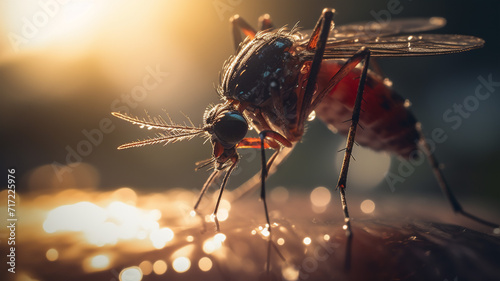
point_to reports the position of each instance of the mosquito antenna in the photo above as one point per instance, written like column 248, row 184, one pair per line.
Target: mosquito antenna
column 172, row 132
column 156, row 123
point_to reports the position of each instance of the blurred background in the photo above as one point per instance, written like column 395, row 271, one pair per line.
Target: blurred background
column 65, row 65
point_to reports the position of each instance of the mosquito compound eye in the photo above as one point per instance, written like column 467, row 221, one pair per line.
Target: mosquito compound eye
column 231, row 128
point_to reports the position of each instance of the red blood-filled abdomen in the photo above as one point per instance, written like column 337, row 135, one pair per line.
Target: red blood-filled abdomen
column 387, row 123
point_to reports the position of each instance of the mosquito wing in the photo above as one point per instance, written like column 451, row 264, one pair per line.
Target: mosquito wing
column 372, row 29
column 401, row 46
column 385, row 39
column 364, row 30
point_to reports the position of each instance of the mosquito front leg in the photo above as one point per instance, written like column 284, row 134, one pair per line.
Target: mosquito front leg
column 205, row 187
column 234, row 160
column 275, row 137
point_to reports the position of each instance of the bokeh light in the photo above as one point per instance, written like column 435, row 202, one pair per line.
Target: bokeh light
column 280, row 241
column 133, row 273
column 161, row 237
column 290, row 273
column 146, row 267
column 205, row 264
column 320, row 198
column 214, row 243
column 159, row 267
column 98, row 262
column 181, row 264
column 52, row 254
column 307, row 241
column 367, row 206
column 279, row 194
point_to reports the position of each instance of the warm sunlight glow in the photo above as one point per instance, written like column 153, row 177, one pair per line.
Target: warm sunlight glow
column 102, row 226
column 38, row 23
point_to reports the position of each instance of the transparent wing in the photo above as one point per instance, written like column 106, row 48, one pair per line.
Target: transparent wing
column 383, row 39
column 405, row 45
column 397, row 26
column 401, row 46
column 372, row 29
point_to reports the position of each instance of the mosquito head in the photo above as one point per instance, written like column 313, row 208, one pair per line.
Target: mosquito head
column 226, row 125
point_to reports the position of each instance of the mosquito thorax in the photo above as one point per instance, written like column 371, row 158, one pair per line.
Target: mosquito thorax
column 266, row 59
column 226, row 125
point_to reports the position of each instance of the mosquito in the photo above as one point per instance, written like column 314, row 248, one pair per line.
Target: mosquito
column 279, row 77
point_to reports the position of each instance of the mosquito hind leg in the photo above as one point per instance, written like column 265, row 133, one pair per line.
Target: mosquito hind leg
column 363, row 54
column 443, row 184
column 317, row 42
column 239, row 25
column 265, row 22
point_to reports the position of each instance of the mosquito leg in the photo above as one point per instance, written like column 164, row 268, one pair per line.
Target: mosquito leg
column 205, row 187
column 253, row 183
column 443, row 184
column 240, row 25
column 263, row 196
column 282, row 148
column 222, row 186
column 317, row 42
column 265, row 22
column 343, row 71
column 342, row 183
